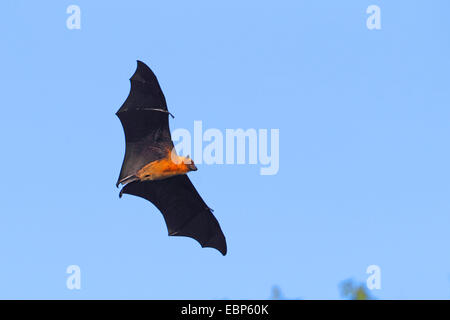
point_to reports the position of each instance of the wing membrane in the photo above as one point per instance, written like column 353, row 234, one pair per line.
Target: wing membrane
column 184, row 211
column 145, row 121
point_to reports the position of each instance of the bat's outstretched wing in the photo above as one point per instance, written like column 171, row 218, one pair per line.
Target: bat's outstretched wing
column 185, row 212
column 145, row 120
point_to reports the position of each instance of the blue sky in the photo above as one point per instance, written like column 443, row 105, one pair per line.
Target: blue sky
column 364, row 158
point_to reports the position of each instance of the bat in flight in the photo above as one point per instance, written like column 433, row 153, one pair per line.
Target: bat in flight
column 152, row 169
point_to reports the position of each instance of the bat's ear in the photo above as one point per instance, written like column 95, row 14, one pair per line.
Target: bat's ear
column 189, row 160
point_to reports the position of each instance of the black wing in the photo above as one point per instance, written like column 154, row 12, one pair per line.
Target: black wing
column 145, row 120
column 185, row 212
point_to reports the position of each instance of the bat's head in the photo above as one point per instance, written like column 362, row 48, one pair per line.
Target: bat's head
column 190, row 164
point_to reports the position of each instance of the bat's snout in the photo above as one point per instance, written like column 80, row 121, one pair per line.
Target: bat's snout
column 191, row 166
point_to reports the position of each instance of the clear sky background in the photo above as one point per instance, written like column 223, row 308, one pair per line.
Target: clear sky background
column 364, row 147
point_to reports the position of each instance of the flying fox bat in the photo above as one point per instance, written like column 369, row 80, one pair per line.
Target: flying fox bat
column 152, row 169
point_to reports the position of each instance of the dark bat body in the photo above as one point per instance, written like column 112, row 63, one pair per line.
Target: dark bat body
column 149, row 170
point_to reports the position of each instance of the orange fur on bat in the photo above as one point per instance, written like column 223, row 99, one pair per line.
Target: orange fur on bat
column 164, row 168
